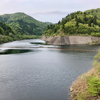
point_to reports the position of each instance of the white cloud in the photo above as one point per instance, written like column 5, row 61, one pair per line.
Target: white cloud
column 14, row 0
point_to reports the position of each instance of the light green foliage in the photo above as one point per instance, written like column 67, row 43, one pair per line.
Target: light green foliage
column 94, row 12
column 94, row 86
column 80, row 97
column 83, row 76
column 11, row 35
column 78, row 23
column 95, row 63
column 97, row 57
column 95, row 34
column 24, row 24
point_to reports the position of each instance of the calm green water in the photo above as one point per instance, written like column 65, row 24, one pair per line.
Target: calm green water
column 30, row 72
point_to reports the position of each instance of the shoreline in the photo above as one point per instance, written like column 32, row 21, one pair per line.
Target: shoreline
column 86, row 87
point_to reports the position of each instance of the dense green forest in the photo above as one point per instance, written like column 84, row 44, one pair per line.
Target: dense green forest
column 19, row 26
column 7, row 34
column 77, row 23
column 23, row 24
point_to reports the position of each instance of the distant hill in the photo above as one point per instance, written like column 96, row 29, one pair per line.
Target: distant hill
column 77, row 23
column 24, row 24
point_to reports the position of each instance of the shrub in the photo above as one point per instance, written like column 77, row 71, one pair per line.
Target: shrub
column 95, row 34
column 94, row 86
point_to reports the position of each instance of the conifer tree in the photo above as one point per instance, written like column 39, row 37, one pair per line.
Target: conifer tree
column 76, row 18
column 79, row 20
column 89, row 23
column 95, row 20
column 77, row 23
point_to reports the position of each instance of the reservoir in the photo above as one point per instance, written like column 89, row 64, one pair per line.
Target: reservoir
column 30, row 70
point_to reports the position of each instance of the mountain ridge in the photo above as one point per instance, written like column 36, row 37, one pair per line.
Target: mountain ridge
column 19, row 19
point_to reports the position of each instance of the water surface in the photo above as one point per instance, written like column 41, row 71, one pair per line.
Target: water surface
column 30, row 70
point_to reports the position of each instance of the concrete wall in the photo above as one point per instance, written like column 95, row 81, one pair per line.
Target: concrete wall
column 79, row 39
column 70, row 40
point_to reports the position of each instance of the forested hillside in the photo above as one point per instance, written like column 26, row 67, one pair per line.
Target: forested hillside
column 77, row 23
column 7, row 34
column 5, row 29
column 24, row 24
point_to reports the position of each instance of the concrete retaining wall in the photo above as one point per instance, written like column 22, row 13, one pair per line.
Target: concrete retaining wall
column 70, row 40
column 79, row 39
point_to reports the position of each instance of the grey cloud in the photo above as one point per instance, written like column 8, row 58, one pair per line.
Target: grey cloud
column 52, row 13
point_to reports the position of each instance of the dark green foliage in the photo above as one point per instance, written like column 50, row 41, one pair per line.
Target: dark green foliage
column 76, row 19
column 8, row 35
column 79, row 20
column 5, row 29
column 77, row 23
column 95, row 20
column 84, row 13
column 89, row 22
column 59, row 22
column 85, row 18
column 72, row 16
column 1, row 31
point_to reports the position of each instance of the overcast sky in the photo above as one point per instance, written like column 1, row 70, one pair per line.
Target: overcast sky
column 47, row 10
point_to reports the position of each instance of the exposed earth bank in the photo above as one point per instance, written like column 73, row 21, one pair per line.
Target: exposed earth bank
column 87, row 86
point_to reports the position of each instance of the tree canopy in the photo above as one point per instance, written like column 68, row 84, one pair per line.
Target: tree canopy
column 87, row 23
